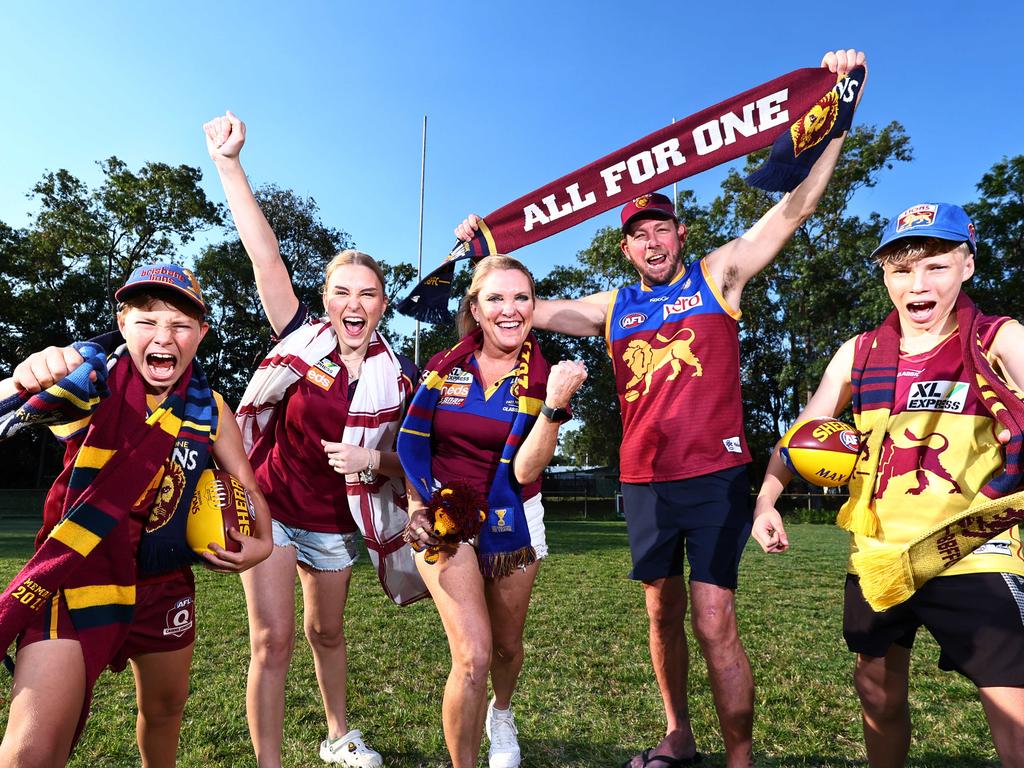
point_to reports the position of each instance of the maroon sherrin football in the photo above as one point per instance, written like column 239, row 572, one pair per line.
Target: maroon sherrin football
column 823, row 451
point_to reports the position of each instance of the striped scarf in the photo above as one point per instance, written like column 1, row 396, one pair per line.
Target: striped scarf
column 502, row 547
column 114, row 454
column 889, row 574
column 378, row 508
column 797, row 114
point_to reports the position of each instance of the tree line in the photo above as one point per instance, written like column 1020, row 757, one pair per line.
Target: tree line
column 60, row 270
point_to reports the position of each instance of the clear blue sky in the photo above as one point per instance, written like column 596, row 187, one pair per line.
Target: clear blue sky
column 516, row 95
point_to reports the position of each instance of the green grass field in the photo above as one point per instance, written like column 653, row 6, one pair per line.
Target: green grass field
column 587, row 695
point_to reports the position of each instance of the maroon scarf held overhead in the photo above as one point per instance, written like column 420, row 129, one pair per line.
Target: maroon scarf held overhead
column 800, row 112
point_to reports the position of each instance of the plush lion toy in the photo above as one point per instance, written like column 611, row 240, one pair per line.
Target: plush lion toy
column 458, row 511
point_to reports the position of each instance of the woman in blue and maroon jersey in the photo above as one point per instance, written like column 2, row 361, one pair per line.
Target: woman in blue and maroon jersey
column 487, row 414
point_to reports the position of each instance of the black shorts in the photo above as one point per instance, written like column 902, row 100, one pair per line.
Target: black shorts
column 976, row 618
column 707, row 517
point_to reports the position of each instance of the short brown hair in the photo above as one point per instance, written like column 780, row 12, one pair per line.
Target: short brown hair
column 144, row 299
column 910, row 250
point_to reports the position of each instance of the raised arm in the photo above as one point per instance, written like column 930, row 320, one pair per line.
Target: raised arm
column 829, row 399
column 737, row 261
column 224, row 139
column 539, row 446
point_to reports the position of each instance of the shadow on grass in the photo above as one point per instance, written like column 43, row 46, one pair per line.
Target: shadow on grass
column 578, row 537
column 17, row 536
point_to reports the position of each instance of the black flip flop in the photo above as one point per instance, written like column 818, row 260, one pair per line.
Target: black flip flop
column 666, row 761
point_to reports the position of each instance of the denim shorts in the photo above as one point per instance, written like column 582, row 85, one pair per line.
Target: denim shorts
column 320, row 551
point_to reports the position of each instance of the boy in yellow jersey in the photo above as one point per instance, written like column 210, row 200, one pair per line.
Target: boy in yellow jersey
column 940, row 447
column 110, row 580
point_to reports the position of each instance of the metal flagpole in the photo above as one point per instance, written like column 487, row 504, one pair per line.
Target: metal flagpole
column 675, row 186
column 419, row 255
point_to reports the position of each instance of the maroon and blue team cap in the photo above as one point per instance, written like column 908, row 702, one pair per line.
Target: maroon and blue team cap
column 942, row 220
column 169, row 276
column 652, row 206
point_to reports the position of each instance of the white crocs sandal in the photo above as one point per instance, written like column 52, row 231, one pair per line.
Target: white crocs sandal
column 350, row 750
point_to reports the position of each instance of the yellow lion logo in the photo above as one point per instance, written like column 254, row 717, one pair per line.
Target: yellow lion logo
column 166, row 497
column 815, row 124
column 644, row 360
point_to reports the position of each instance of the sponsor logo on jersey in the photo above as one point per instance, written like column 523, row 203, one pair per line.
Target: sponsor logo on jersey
column 632, row 320
column 994, row 548
column 654, row 299
column 316, row 376
column 458, row 376
column 329, row 367
column 937, row 396
column 732, row 445
column 682, row 304
column 914, row 373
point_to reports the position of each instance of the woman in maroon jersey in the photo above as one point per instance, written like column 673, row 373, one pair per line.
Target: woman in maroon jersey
column 487, row 414
column 323, row 375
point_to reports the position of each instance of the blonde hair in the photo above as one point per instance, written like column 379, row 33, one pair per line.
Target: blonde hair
column 910, row 250
column 483, row 268
column 351, row 256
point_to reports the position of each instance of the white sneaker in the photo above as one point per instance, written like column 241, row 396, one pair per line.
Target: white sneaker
column 350, row 750
column 501, row 730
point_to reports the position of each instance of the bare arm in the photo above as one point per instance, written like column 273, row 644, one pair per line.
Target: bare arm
column 830, row 398
column 739, row 260
column 574, row 317
column 230, row 455
column 1008, row 351
column 224, row 139
column 539, row 446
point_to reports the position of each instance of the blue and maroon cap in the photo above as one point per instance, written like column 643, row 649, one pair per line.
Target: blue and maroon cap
column 170, row 276
column 942, row 220
column 652, row 206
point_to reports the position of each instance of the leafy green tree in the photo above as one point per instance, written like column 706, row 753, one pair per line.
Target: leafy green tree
column 59, row 272
column 998, row 282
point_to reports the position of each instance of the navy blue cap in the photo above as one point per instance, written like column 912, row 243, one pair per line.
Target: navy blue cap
column 172, row 276
column 942, row 220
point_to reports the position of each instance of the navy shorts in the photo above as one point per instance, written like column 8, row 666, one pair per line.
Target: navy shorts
column 707, row 518
column 976, row 618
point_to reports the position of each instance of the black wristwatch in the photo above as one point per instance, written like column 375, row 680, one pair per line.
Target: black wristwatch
column 558, row 415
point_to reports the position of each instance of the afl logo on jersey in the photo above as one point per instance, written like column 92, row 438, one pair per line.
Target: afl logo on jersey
column 632, row 320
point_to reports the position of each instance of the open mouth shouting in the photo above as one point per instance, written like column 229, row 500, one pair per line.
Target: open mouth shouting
column 353, row 325
column 161, row 366
column 920, row 311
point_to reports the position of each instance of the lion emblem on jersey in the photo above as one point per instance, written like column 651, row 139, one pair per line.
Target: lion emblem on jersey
column 918, row 456
column 645, row 360
column 815, row 124
column 167, row 494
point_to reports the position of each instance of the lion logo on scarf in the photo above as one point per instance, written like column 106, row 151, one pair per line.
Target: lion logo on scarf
column 167, row 495
column 644, row 361
column 814, row 126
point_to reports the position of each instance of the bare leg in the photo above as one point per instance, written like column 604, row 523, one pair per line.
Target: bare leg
column 508, row 600
column 270, row 601
column 666, row 614
column 161, row 690
column 1004, row 708
column 324, row 596
column 732, row 683
column 457, row 587
column 883, row 684
column 46, row 701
